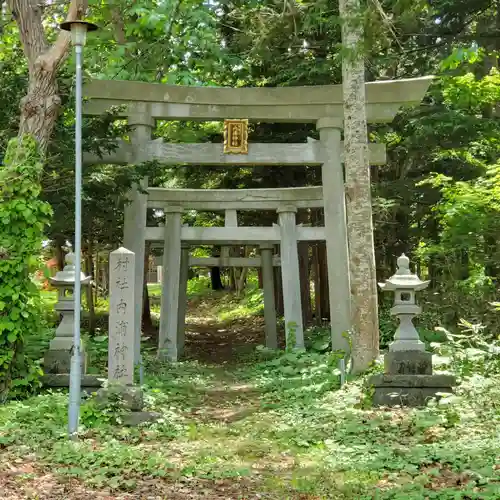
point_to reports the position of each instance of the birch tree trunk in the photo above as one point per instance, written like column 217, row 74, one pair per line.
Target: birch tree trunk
column 358, row 191
column 40, row 107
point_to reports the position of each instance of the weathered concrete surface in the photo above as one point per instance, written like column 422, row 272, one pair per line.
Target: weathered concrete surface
column 62, row 380
column 389, row 380
column 217, row 206
column 183, row 282
column 231, row 261
column 122, row 312
column 408, row 363
column 405, row 284
column 168, row 347
column 335, row 233
column 402, row 91
column 134, row 228
column 230, row 220
column 58, row 360
column 294, row 329
column 213, row 154
column 127, row 397
column 409, row 390
column 289, row 104
column 142, row 124
column 266, row 252
column 240, row 199
column 136, row 418
column 235, row 236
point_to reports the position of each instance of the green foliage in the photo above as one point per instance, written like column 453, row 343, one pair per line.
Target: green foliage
column 469, row 215
column 472, row 351
column 23, row 217
column 318, row 339
column 285, row 414
column 198, row 286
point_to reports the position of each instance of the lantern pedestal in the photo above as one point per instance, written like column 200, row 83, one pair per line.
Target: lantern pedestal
column 409, row 390
column 58, row 358
column 408, row 379
column 408, row 363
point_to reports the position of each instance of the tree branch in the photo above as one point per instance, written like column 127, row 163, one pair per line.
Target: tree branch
column 59, row 50
column 28, row 16
column 119, row 26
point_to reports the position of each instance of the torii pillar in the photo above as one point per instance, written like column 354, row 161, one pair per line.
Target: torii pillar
column 135, row 213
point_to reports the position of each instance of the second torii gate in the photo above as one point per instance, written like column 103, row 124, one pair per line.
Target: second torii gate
column 177, row 239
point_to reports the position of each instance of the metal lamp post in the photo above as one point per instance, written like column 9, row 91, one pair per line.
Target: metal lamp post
column 78, row 31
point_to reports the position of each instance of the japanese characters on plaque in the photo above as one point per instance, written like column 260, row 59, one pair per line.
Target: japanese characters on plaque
column 236, row 136
column 121, row 316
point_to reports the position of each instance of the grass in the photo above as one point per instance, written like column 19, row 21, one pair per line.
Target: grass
column 281, row 427
column 274, row 425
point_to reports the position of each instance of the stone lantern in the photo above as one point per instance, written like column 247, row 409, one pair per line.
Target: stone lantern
column 408, row 378
column 58, row 358
column 404, row 284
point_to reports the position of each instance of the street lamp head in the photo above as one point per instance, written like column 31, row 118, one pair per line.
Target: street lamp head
column 78, row 30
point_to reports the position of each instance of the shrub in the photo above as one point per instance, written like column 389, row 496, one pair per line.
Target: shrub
column 23, row 217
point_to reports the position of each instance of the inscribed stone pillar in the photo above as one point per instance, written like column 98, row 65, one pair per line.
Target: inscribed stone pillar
column 168, row 342
column 183, row 280
column 335, row 231
column 121, row 316
column 135, row 212
column 266, row 257
column 290, row 276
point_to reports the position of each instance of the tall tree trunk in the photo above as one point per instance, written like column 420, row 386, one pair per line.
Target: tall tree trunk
column 215, row 272
column 316, row 273
column 40, row 107
column 215, row 279
column 278, row 291
column 240, row 286
column 105, row 277
column 233, row 278
column 60, row 255
column 324, row 291
column 97, row 277
column 365, row 342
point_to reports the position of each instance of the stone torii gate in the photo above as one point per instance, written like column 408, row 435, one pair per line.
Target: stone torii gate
column 176, row 240
column 143, row 103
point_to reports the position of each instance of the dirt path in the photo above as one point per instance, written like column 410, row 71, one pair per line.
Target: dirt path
column 27, row 480
column 227, row 400
column 211, row 341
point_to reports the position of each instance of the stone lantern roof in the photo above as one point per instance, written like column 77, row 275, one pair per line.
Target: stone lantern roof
column 67, row 275
column 404, row 279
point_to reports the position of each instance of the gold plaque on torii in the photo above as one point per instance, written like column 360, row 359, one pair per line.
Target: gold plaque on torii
column 236, row 136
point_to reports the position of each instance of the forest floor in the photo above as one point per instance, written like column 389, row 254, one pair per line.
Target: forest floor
column 240, row 423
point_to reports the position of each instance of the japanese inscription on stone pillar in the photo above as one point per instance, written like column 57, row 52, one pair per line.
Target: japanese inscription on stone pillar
column 121, row 316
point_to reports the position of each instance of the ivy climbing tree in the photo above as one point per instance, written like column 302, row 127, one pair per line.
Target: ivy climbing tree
column 23, row 217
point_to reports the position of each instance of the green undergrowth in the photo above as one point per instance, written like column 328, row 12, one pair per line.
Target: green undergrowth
column 277, row 421
column 232, row 307
column 224, row 305
column 282, row 423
